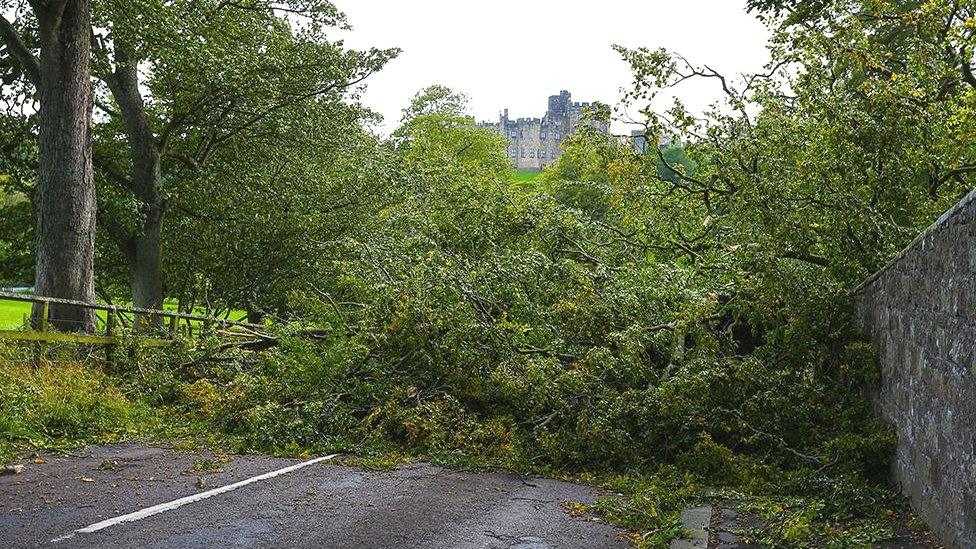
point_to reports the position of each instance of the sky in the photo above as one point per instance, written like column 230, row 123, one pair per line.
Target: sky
column 516, row 53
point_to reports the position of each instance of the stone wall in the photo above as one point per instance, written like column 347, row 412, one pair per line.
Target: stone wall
column 920, row 311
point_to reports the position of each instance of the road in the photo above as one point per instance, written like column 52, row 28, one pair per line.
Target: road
column 317, row 505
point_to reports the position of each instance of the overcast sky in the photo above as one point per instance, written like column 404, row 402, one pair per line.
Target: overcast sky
column 515, row 53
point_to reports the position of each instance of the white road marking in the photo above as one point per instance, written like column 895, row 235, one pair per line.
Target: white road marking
column 163, row 507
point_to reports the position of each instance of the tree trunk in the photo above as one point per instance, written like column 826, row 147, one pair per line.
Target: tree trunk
column 65, row 195
column 144, row 252
column 145, row 269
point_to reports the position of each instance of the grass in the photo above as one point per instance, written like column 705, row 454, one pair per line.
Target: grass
column 12, row 313
column 526, row 176
column 60, row 405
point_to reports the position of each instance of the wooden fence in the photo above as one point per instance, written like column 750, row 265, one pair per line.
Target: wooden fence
column 117, row 325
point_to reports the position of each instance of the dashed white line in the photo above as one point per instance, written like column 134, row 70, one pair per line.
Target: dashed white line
column 163, row 507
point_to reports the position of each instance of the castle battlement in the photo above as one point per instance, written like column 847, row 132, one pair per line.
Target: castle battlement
column 534, row 143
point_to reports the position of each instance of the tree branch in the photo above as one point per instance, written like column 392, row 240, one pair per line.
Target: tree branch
column 807, row 258
column 17, row 49
column 186, row 159
column 967, row 68
column 257, row 117
column 101, row 163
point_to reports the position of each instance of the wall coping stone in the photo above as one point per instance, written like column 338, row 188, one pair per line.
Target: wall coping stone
column 939, row 223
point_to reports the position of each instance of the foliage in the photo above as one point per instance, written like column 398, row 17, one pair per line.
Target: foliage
column 282, row 217
column 660, row 322
column 16, row 239
column 18, row 166
column 61, row 404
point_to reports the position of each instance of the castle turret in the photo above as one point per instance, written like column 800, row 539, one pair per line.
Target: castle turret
column 559, row 104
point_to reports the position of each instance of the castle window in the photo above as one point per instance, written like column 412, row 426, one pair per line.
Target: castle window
column 531, row 154
column 523, row 153
column 514, row 133
column 542, row 154
column 542, row 135
column 558, row 136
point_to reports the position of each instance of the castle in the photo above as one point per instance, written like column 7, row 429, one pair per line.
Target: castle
column 533, row 143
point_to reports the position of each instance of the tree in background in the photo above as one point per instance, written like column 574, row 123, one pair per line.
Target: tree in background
column 438, row 139
column 18, row 164
column 182, row 81
column 297, row 194
column 64, row 196
column 193, row 100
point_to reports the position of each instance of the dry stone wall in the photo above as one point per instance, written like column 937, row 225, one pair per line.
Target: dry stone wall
column 920, row 312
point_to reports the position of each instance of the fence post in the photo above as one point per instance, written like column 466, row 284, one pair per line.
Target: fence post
column 110, row 321
column 45, row 308
column 42, row 327
column 174, row 325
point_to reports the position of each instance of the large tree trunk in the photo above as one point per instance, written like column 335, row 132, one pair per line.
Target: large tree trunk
column 144, row 252
column 65, row 195
column 145, row 270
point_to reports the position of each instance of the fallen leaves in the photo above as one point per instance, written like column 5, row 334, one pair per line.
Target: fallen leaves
column 11, row 469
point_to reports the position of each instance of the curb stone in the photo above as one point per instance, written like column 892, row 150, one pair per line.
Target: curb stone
column 696, row 520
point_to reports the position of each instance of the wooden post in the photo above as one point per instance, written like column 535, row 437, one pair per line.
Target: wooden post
column 45, row 307
column 41, row 327
column 110, row 321
column 174, row 325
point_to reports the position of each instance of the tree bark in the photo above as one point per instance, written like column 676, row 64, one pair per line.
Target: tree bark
column 65, row 194
column 145, row 269
column 144, row 250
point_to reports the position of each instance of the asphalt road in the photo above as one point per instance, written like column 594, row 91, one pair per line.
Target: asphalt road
column 320, row 505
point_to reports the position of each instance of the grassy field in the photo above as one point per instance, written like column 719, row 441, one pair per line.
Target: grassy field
column 12, row 313
column 526, row 176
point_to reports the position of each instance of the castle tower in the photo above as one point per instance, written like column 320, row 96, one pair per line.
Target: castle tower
column 534, row 143
column 559, row 104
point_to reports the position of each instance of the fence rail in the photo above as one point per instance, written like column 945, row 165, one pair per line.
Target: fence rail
column 150, row 327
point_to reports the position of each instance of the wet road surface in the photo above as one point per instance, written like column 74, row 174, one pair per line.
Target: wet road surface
column 319, row 505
